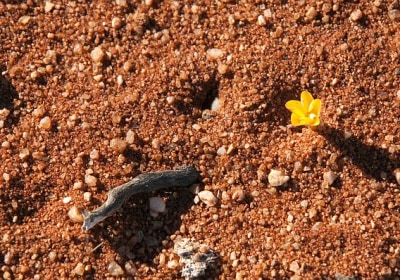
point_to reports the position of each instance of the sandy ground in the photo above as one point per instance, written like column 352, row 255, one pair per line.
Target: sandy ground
column 93, row 93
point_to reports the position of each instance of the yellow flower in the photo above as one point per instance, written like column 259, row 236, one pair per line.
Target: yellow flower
column 306, row 111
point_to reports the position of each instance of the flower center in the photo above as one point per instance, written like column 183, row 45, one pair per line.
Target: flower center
column 312, row 116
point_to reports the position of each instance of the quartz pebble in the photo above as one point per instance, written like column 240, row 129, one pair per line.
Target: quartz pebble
column 329, row 177
column 67, row 199
column 75, row 215
column 97, row 54
column 45, row 123
column 87, row 196
column 396, row 174
column 214, row 53
column 157, row 204
column 115, row 269
column 356, row 15
column 79, row 269
column 221, row 151
column 90, row 180
column 208, row 198
column 118, row 145
column 276, row 178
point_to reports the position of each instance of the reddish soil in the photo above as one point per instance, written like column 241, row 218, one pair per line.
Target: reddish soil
column 76, row 75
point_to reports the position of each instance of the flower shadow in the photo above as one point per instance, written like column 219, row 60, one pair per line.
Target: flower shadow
column 373, row 161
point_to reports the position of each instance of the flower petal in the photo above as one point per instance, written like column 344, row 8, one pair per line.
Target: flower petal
column 295, row 120
column 295, row 107
column 315, row 107
column 306, row 99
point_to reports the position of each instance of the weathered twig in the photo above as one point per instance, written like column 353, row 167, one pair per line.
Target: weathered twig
column 181, row 177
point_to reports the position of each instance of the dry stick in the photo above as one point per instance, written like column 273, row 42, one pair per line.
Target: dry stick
column 181, row 177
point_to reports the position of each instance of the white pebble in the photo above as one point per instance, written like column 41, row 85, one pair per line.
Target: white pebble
column 67, row 199
column 196, row 126
column 48, row 6
column 77, row 185
column 277, row 178
column 118, row 145
column 97, row 54
column 214, row 53
column 330, row 177
column 45, row 123
column 356, row 15
column 94, row 154
column 294, row 267
column 38, row 112
column 130, row 268
column 208, row 198
column 215, row 104
column 87, row 196
column 75, row 215
column 121, row 3
column 221, row 151
column 79, row 269
column 6, row 177
column 116, row 22
column 90, row 180
column 120, row 80
column 115, row 269
column 170, row 100
column 157, row 204
column 397, row 175
column 311, row 13
column 261, row 20
column 130, row 137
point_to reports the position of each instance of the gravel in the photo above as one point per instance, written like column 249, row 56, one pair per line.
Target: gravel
column 85, row 89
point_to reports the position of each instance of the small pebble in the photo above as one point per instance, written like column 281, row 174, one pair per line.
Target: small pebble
column 45, row 123
column 330, row 177
column 277, row 178
column 130, row 137
column 215, row 104
column 87, row 196
column 97, row 54
column 67, row 199
column 118, row 145
column 157, row 204
column 238, row 195
column 221, row 151
column 121, row 3
column 79, row 269
column 75, row 215
column 356, row 15
column 115, row 269
column 261, row 20
column 222, row 68
column 208, row 198
column 52, row 256
column 170, row 100
column 294, row 267
column 214, row 53
column 90, row 180
column 396, row 174
column 116, row 23
column 48, row 6
column 78, row 185
column 130, row 268
column 311, row 13
column 94, row 154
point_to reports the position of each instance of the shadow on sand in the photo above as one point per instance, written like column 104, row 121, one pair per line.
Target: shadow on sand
column 374, row 162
